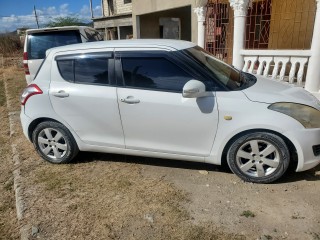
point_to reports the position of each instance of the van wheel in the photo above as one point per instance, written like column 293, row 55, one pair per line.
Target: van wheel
column 54, row 142
column 259, row 157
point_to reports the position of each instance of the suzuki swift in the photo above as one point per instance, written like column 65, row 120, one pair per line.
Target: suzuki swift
column 168, row 99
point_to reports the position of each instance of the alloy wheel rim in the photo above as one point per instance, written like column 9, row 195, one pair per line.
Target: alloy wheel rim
column 258, row 158
column 52, row 143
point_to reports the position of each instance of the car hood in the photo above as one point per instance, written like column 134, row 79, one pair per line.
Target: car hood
column 270, row 91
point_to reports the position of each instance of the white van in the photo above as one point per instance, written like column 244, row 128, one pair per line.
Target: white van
column 38, row 41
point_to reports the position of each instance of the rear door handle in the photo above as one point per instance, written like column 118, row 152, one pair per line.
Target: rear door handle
column 61, row 94
column 130, row 100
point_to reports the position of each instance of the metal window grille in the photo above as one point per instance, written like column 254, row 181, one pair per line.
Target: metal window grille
column 219, row 29
column 258, row 25
column 280, row 24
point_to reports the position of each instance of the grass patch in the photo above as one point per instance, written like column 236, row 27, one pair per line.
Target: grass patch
column 8, row 186
column 10, row 44
column 2, row 94
column 53, row 181
column 247, row 214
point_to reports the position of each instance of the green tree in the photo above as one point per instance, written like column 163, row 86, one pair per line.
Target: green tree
column 65, row 21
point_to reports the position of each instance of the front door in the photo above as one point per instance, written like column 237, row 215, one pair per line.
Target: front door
column 155, row 116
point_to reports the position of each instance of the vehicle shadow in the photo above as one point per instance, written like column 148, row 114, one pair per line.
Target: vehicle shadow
column 85, row 157
column 290, row 176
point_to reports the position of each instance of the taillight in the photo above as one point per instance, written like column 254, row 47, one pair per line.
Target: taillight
column 25, row 56
column 25, row 65
column 29, row 91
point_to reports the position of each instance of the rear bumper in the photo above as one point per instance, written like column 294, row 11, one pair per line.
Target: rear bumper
column 25, row 122
column 304, row 140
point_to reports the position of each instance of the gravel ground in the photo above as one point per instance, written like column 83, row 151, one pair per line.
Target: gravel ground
column 104, row 196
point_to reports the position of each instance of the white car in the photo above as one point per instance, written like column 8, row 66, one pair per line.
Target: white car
column 168, row 99
column 38, row 41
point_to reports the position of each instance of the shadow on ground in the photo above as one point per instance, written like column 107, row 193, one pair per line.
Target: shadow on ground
column 290, row 176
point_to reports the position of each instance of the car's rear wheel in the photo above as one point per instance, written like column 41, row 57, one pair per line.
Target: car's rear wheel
column 259, row 157
column 54, row 142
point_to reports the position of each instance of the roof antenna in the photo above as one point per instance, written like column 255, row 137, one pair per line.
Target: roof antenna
column 91, row 9
column 35, row 14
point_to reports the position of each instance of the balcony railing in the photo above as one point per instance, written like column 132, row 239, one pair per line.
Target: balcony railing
column 283, row 65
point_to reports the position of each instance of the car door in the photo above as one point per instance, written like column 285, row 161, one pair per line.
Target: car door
column 155, row 117
column 83, row 94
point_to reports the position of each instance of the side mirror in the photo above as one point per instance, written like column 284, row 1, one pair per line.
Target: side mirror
column 194, row 89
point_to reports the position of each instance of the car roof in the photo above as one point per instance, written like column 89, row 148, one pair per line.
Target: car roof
column 29, row 31
column 130, row 43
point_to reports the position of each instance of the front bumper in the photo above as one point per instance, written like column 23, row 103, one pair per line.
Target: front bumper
column 304, row 140
column 25, row 122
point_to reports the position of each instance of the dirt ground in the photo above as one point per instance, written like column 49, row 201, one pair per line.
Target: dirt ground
column 105, row 196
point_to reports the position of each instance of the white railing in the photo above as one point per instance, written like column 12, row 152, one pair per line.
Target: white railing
column 283, row 65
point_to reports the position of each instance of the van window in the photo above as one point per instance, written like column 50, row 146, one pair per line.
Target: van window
column 39, row 43
column 93, row 35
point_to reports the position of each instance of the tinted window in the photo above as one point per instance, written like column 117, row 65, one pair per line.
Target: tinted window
column 153, row 73
column 85, row 68
column 91, row 70
column 39, row 43
column 228, row 76
column 93, row 35
column 66, row 69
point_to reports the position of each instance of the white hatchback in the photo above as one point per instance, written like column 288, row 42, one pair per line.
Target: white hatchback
column 168, row 99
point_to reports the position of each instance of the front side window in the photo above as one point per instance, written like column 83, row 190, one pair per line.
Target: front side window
column 89, row 69
column 157, row 73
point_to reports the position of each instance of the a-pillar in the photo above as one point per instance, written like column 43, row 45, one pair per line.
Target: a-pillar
column 200, row 11
column 240, row 8
column 313, row 74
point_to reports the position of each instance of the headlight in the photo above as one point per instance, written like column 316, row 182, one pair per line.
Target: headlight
column 308, row 116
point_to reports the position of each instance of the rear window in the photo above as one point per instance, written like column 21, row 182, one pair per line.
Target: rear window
column 39, row 43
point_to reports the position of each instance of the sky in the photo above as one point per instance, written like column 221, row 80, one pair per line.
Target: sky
column 19, row 13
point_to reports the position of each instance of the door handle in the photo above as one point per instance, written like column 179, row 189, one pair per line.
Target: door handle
column 130, row 100
column 61, row 94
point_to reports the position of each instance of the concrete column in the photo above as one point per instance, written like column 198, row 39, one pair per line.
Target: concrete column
column 240, row 8
column 313, row 73
column 200, row 11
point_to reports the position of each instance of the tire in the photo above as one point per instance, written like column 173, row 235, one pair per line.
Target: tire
column 258, row 157
column 54, row 142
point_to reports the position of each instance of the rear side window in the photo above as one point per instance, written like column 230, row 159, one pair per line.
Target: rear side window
column 91, row 70
column 156, row 73
column 39, row 43
column 93, row 35
column 88, row 69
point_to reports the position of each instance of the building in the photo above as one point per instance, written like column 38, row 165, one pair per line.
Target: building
column 274, row 38
column 278, row 39
column 116, row 20
column 165, row 19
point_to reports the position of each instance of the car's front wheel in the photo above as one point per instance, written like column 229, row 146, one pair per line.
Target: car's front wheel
column 54, row 142
column 259, row 157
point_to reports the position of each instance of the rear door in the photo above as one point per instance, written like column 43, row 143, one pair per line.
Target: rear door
column 83, row 94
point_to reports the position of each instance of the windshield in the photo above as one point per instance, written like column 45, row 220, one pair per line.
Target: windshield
column 228, row 76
